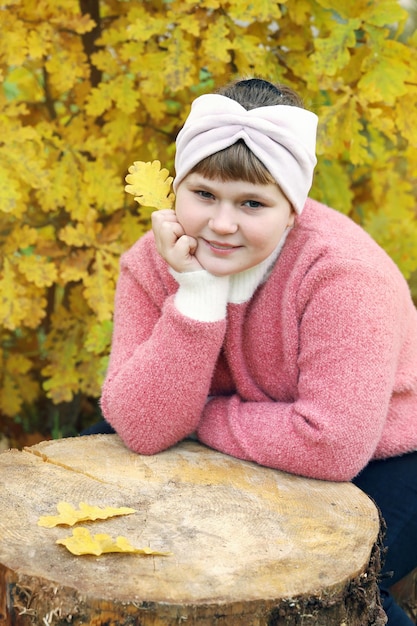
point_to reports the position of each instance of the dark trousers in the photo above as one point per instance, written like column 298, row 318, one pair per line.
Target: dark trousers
column 392, row 484
column 101, row 428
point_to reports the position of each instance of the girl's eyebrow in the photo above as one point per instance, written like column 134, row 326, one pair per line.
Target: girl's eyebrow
column 252, row 194
column 198, row 181
column 259, row 196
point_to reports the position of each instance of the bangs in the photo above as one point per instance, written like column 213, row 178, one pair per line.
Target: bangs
column 234, row 163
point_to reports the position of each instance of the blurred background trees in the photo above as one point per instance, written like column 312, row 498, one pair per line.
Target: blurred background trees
column 89, row 87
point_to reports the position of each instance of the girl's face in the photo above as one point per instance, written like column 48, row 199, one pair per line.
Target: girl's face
column 236, row 224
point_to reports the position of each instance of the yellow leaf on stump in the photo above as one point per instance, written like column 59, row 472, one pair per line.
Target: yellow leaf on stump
column 82, row 542
column 68, row 515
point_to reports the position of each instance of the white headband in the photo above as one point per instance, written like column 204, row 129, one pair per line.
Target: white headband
column 282, row 137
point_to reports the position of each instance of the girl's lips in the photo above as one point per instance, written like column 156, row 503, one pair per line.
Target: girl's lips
column 220, row 248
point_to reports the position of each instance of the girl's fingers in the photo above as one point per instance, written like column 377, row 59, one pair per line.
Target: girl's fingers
column 166, row 230
column 163, row 215
column 186, row 246
column 169, row 233
column 172, row 243
column 182, row 257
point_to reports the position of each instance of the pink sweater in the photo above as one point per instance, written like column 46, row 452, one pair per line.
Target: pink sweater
column 315, row 375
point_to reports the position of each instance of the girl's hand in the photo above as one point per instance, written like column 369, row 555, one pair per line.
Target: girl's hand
column 177, row 248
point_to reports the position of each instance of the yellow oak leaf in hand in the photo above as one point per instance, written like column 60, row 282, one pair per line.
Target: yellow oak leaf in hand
column 150, row 185
column 68, row 515
column 82, row 542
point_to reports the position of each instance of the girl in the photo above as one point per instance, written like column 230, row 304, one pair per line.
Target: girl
column 271, row 326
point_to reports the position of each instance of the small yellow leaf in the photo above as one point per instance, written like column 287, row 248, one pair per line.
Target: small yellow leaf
column 82, row 542
column 10, row 193
column 83, row 234
column 68, row 515
column 333, row 53
column 150, row 184
column 38, row 270
column 218, row 43
column 99, row 286
column 12, row 296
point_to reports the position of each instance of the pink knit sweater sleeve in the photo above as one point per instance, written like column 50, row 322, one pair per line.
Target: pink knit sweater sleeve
column 347, row 339
column 161, row 362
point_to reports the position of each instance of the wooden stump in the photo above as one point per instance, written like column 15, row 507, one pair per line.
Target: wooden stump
column 405, row 593
column 250, row 546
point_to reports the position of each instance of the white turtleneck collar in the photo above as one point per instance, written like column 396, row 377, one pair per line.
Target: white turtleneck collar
column 244, row 284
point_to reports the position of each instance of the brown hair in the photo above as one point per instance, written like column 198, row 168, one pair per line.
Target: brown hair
column 238, row 162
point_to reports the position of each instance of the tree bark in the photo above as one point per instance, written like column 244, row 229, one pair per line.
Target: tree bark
column 250, row 546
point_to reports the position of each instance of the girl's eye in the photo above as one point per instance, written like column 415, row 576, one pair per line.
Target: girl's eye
column 253, row 204
column 204, row 194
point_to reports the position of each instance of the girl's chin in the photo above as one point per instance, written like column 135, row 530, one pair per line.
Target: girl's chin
column 219, row 268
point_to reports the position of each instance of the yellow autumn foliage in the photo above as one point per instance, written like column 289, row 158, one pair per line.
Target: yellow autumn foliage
column 84, row 96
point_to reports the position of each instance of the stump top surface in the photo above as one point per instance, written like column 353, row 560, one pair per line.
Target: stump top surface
column 237, row 531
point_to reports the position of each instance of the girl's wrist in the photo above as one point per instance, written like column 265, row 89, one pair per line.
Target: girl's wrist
column 201, row 295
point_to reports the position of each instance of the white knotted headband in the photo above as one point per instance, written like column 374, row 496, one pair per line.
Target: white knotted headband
column 282, row 137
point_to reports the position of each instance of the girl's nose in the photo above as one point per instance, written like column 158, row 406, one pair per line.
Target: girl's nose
column 224, row 220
